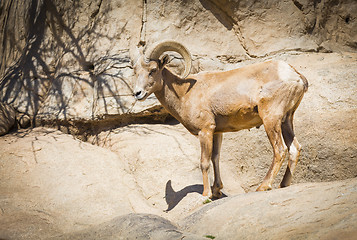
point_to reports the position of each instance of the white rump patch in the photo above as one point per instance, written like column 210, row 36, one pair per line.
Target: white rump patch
column 286, row 72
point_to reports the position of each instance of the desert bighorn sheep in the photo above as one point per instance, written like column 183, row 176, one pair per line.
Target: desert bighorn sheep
column 211, row 103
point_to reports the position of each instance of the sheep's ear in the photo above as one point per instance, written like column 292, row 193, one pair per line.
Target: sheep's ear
column 163, row 61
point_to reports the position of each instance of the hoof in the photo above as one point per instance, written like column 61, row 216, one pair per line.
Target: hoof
column 216, row 192
column 216, row 195
column 206, row 193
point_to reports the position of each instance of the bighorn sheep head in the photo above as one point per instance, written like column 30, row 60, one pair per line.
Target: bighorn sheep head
column 149, row 67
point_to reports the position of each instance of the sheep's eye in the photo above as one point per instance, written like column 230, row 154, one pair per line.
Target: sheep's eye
column 152, row 71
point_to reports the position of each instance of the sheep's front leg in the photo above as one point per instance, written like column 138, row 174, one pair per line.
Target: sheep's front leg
column 206, row 140
column 217, row 185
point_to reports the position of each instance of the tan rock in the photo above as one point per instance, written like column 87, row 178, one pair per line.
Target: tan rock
column 303, row 211
column 55, row 186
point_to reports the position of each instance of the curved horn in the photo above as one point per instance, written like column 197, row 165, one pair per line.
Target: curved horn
column 174, row 46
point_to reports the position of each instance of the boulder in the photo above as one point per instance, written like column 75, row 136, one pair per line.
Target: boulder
column 303, row 211
column 51, row 182
column 133, row 226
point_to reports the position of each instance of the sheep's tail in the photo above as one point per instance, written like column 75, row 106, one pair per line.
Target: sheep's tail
column 303, row 78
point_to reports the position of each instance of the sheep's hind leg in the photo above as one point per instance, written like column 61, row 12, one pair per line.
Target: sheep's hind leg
column 294, row 150
column 274, row 132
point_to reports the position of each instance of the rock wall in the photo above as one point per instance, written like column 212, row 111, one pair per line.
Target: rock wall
column 68, row 62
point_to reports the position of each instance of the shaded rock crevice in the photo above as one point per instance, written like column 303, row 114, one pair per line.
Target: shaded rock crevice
column 84, row 129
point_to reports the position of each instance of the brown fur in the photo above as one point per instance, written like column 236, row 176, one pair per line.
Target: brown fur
column 211, row 103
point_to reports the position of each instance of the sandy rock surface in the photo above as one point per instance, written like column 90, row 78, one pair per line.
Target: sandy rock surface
column 55, row 186
column 303, row 211
column 50, row 180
